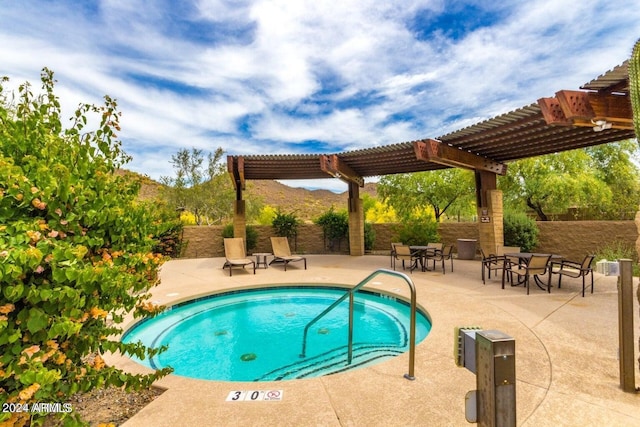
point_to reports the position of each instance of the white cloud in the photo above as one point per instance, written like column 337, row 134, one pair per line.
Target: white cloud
column 349, row 74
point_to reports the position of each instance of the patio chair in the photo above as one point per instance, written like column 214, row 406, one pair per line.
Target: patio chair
column 431, row 251
column 393, row 253
column 491, row 262
column 282, row 252
column 537, row 264
column 574, row 269
column 442, row 256
column 404, row 253
column 235, row 254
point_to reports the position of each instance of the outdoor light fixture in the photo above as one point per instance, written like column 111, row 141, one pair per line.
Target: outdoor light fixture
column 601, row 125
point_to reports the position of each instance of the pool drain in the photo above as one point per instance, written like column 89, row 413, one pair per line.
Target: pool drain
column 323, row 331
column 219, row 333
column 248, row 357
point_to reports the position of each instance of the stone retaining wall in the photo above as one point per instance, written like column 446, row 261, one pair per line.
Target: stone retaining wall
column 572, row 239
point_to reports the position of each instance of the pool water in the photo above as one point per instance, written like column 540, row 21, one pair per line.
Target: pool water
column 257, row 335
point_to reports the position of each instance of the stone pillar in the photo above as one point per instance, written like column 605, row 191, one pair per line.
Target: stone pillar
column 490, row 225
column 356, row 221
column 490, row 213
column 239, row 220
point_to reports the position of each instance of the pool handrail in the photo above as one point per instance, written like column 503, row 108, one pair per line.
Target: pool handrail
column 350, row 292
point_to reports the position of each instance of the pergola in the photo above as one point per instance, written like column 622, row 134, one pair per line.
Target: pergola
column 598, row 113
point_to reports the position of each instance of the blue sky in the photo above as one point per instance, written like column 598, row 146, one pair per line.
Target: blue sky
column 308, row 76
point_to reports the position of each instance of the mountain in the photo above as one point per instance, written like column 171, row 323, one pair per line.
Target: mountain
column 306, row 204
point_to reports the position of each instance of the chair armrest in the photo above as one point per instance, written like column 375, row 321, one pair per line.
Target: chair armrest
column 571, row 264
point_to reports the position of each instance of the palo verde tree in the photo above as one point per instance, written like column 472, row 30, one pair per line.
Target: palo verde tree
column 201, row 189
column 597, row 179
column 447, row 190
column 75, row 252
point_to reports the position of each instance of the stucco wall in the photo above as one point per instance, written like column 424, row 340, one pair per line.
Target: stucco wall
column 573, row 239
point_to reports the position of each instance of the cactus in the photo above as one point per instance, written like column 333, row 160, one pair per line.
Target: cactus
column 634, row 87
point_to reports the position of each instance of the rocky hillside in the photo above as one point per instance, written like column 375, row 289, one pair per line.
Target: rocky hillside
column 307, row 204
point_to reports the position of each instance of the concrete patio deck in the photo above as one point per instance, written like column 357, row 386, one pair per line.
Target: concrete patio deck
column 567, row 366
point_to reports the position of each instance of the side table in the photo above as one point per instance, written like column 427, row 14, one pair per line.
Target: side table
column 261, row 259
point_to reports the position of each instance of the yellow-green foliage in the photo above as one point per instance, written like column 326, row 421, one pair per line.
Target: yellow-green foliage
column 381, row 213
column 266, row 215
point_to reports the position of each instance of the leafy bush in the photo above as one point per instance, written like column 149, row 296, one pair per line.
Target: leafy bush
column 285, row 224
column 334, row 224
column 75, row 253
column 252, row 235
column 369, row 236
column 521, row 231
column 417, row 232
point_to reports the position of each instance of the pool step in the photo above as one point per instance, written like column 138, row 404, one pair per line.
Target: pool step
column 332, row 361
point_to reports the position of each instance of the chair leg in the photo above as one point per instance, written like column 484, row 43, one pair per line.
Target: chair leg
column 591, row 281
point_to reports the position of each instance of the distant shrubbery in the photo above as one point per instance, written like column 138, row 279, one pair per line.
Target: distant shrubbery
column 520, row 230
column 417, row 232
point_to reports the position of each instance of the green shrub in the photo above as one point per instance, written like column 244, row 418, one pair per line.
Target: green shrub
column 252, row 235
column 285, row 224
column 335, row 225
column 521, row 231
column 369, row 236
column 417, row 232
column 75, row 253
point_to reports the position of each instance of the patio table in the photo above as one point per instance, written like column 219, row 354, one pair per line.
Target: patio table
column 425, row 253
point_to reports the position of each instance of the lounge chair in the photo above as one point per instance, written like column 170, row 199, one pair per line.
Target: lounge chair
column 235, row 254
column 574, row 269
column 404, row 253
column 535, row 265
column 282, row 252
column 442, row 256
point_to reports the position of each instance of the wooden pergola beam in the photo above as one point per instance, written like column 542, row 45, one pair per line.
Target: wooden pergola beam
column 334, row 166
column 235, row 167
column 581, row 108
column 434, row 151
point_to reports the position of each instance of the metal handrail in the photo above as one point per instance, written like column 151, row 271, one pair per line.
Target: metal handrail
column 350, row 293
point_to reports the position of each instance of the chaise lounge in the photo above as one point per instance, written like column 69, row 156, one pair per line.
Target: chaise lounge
column 282, row 252
column 235, row 254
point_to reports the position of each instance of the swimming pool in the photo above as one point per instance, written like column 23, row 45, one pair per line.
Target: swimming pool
column 256, row 335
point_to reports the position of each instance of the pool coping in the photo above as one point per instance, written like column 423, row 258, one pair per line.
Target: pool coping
column 567, row 368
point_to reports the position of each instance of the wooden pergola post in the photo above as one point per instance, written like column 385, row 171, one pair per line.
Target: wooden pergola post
column 235, row 166
column 332, row 165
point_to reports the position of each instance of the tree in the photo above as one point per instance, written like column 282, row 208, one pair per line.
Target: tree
column 615, row 165
column 75, row 252
column 206, row 192
column 441, row 190
column 597, row 179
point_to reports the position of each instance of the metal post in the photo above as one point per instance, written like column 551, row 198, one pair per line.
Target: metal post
column 350, row 338
column 496, row 379
column 625, row 325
